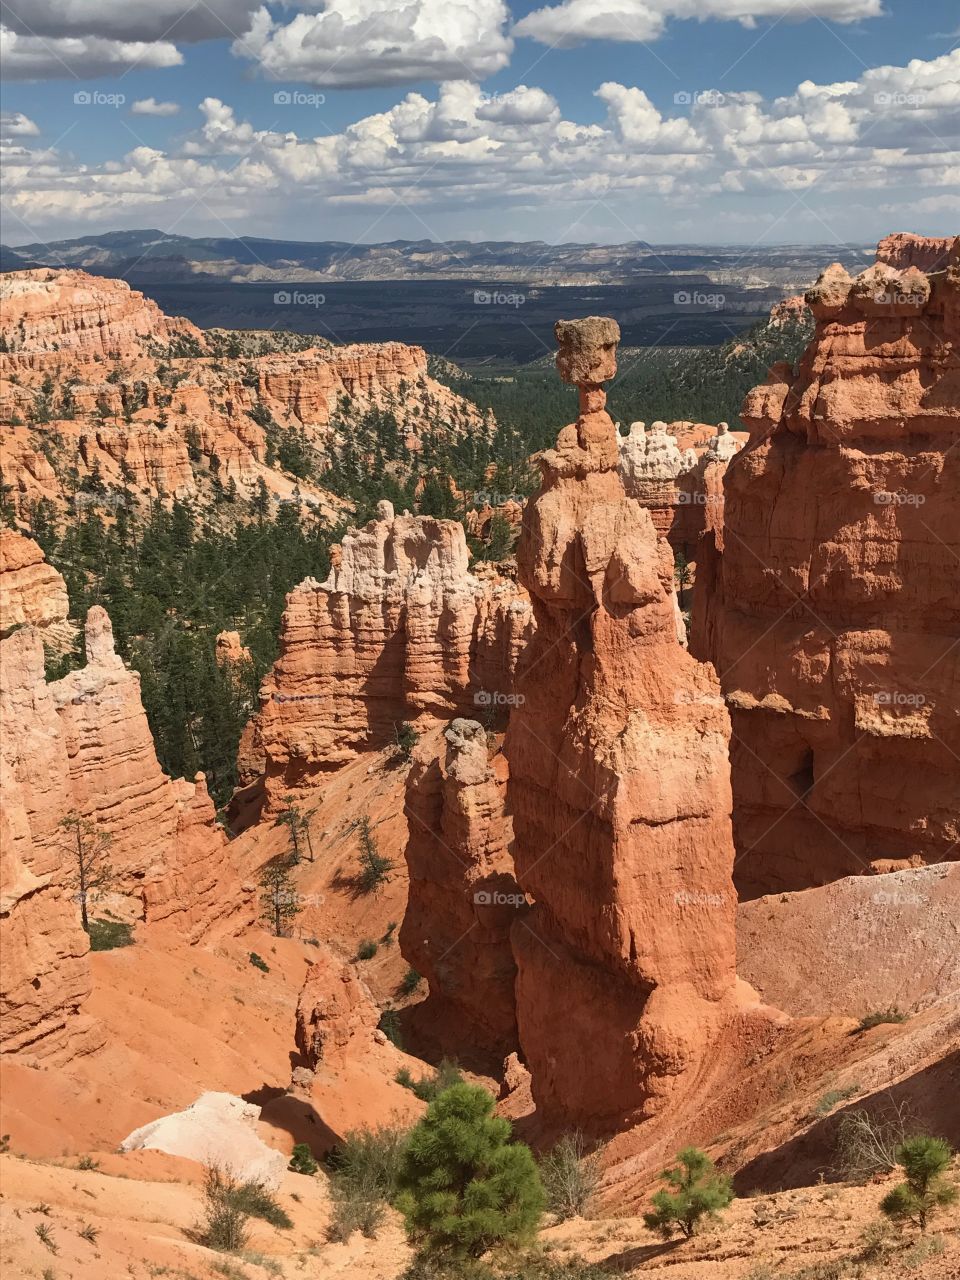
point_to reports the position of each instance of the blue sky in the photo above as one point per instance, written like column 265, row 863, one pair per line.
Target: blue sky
column 638, row 119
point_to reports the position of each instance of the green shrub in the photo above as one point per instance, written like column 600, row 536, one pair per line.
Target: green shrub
column 570, row 1176
column 464, row 1186
column 87, row 1163
column 879, row 1016
column 698, row 1191
column 107, row 935
column 302, row 1161
column 405, row 739
column 363, row 1180
column 409, row 982
column 367, row 949
column 429, row 1087
column 224, row 1225
column 389, row 1024
column 253, row 1199
column 925, row 1161
column 830, row 1099
column 374, row 867
column 258, row 962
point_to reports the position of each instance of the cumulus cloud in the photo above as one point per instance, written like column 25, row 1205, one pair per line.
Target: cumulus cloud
column 463, row 147
column 573, row 21
column 14, row 124
column 29, row 57
column 151, row 107
column 360, row 43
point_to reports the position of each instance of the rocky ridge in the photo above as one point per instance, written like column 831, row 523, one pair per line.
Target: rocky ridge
column 105, row 399
column 833, row 622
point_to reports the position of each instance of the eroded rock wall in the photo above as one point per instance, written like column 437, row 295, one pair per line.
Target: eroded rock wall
column 832, row 611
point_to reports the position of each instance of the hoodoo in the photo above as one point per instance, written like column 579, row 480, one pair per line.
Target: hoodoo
column 831, row 611
column 620, row 791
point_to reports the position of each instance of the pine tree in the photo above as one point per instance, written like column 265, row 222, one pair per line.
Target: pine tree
column 297, row 823
column 374, row 867
column 278, row 896
column 463, row 1185
column 926, row 1189
column 698, row 1191
column 90, row 872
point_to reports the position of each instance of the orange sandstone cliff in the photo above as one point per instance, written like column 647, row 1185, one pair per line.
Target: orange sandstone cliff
column 620, row 792
column 831, row 612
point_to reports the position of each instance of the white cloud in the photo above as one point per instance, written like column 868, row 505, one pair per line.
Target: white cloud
column 821, row 150
column 359, row 43
column 573, row 21
column 151, row 107
column 14, row 124
column 27, row 57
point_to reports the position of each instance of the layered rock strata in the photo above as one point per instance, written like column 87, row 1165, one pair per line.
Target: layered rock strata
column 96, row 380
column 32, row 592
column 462, row 897
column 82, row 746
column 401, row 628
column 620, row 792
column 831, row 608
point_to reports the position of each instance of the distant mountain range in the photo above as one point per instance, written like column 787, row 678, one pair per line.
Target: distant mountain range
column 151, row 256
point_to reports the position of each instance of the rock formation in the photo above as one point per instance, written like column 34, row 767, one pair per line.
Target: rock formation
column 927, row 253
column 462, row 897
column 32, row 592
column 220, row 1130
column 620, row 791
column 336, row 1013
column 665, row 469
column 401, row 628
column 95, row 378
column 830, row 610
column 82, row 745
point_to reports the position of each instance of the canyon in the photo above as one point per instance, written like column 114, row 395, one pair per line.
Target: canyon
column 665, row 803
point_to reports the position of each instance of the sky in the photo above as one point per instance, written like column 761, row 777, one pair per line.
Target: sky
column 708, row 121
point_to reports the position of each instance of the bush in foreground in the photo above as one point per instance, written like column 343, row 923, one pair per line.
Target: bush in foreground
column 363, row 1180
column 570, row 1176
column 926, row 1189
column 464, row 1186
column 698, row 1191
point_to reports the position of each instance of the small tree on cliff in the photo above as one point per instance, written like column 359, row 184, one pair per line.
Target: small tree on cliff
column 925, row 1161
column 463, row 1186
column 278, row 896
column 91, row 873
column 297, row 823
column 374, row 867
column 698, row 1191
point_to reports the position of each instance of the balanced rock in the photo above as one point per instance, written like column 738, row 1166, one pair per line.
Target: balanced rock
column 620, row 793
